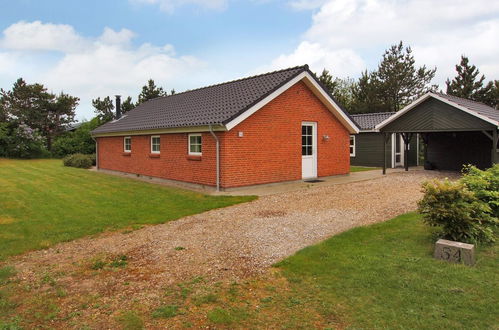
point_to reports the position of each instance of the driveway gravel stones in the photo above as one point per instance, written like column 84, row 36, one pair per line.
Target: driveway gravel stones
column 224, row 244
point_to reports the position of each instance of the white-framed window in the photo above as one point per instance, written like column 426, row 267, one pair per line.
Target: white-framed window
column 127, row 144
column 155, row 144
column 195, row 144
column 352, row 145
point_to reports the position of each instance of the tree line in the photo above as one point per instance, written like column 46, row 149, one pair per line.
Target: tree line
column 397, row 82
column 34, row 122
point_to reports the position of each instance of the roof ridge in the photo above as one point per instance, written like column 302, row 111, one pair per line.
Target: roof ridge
column 305, row 67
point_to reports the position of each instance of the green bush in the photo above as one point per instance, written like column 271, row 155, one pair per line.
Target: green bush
column 79, row 141
column 466, row 210
column 78, row 160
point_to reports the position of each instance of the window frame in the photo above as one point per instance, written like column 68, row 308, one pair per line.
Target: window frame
column 194, row 153
column 352, row 147
column 124, row 144
column 159, row 144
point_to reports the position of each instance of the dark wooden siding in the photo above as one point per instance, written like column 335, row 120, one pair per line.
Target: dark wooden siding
column 433, row 115
column 450, row 151
column 369, row 150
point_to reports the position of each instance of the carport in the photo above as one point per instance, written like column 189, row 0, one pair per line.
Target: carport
column 454, row 131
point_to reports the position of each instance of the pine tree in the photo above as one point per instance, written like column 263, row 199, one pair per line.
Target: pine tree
column 399, row 81
column 341, row 89
column 396, row 82
column 104, row 109
column 150, row 91
column 33, row 106
column 469, row 84
column 328, row 81
column 127, row 105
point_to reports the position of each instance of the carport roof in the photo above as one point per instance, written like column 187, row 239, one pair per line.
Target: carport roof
column 476, row 109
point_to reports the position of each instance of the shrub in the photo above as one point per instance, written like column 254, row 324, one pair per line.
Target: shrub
column 79, row 141
column 78, row 160
column 21, row 141
column 465, row 210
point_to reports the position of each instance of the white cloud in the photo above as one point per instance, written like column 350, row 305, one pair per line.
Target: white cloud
column 345, row 33
column 169, row 6
column 306, row 4
column 107, row 65
column 343, row 62
column 40, row 36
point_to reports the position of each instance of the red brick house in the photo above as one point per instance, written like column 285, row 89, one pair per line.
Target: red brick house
column 279, row 126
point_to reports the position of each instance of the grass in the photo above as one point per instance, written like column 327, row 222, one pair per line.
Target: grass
column 362, row 168
column 44, row 203
column 379, row 276
column 384, row 276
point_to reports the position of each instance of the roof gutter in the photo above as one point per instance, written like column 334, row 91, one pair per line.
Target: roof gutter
column 218, row 155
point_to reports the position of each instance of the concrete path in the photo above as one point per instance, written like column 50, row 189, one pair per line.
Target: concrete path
column 282, row 187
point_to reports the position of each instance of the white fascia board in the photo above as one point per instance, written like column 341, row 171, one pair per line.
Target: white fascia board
column 427, row 96
column 317, row 89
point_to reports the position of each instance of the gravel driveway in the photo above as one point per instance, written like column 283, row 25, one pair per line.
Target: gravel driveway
column 236, row 241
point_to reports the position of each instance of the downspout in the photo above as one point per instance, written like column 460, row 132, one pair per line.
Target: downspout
column 96, row 153
column 218, row 156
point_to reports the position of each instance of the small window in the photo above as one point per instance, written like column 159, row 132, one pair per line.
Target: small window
column 195, row 144
column 127, row 144
column 352, row 146
column 155, row 144
column 307, row 140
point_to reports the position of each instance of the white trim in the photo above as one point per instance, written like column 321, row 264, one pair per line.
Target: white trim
column 354, row 145
column 124, row 144
column 314, row 155
column 152, row 137
column 424, row 98
column 189, row 144
column 318, row 91
column 393, row 149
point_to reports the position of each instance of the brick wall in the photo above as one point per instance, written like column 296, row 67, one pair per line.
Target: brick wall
column 269, row 151
column 173, row 162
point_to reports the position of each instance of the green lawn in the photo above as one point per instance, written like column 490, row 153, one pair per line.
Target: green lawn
column 43, row 203
column 362, row 168
column 384, row 276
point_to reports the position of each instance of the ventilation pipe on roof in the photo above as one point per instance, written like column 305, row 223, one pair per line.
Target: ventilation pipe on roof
column 118, row 107
column 218, row 156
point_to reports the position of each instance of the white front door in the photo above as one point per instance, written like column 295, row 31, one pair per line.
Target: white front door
column 398, row 150
column 308, row 150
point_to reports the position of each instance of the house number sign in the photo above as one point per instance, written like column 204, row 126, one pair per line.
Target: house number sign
column 455, row 252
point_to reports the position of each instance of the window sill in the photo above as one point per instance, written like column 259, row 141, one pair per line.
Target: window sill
column 127, row 154
column 193, row 157
column 154, row 155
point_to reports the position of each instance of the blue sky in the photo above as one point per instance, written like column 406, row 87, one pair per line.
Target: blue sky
column 99, row 48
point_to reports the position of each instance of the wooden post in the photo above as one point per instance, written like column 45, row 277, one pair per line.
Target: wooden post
column 494, row 147
column 384, row 153
column 407, row 139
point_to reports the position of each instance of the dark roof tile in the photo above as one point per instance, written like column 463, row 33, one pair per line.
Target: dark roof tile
column 216, row 104
column 367, row 121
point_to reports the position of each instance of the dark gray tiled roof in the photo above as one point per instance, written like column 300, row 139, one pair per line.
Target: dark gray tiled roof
column 367, row 121
column 474, row 106
column 217, row 104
